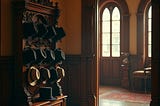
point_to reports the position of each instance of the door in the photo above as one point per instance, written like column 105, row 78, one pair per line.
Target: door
column 110, row 46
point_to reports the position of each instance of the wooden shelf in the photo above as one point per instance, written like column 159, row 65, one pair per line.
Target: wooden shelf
column 60, row 101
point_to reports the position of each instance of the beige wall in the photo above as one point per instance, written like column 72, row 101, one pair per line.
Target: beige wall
column 133, row 6
column 70, row 20
column 71, row 14
column 73, row 26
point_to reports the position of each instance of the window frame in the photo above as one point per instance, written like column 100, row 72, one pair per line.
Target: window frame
column 142, row 32
column 111, row 8
column 124, row 23
column 146, row 31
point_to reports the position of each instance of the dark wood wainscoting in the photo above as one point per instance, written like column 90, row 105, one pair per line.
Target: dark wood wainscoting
column 110, row 71
column 76, row 83
column 6, row 79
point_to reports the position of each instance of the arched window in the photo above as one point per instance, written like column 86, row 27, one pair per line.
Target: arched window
column 114, row 39
column 111, row 32
column 149, row 31
column 144, row 30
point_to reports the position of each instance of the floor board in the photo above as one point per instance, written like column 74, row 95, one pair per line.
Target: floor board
column 105, row 90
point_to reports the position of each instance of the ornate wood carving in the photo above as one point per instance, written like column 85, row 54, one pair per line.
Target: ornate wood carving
column 37, row 29
column 42, row 2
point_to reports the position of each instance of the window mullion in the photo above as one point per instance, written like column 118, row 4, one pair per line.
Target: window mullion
column 111, row 34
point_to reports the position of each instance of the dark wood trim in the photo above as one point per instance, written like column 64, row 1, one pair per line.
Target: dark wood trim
column 72, row 66
column 79, row 86
column 39, row 8
column 155, row 92
column 7, row 80
column 89, row 52
column 106, row 64
column 141, row 29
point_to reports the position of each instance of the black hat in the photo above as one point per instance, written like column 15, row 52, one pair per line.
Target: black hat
column 40, row 23
column 54, row 75
column 59, row 55
column 40, row 55
column 50, row 56
column 41, row 19
column 28, row 29
column 44, row 74
column 51, row 32
column 41, row 29
column 60, row 72
column 45, row 94
column 33, row 76
column 29, row 55
column 59, row 34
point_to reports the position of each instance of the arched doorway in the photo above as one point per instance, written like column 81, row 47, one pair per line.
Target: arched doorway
column 114, row 39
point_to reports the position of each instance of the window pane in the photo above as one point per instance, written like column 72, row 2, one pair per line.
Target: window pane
column 149, row 51
column 106, row 33
column 149, row 38
column 116, row 33
column 115, row 38
column 106, row 50
column 106, row 14
column 115, row 26
column 115, row 50
column 112, row 37
column 149, row 31
column 106, row 26
column 150, row 12
column 116, row 14
column 149, row 24
column 106, row 38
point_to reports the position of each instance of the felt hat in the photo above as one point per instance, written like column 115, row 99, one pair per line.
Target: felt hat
column 40, row 23
column 33, row 76
column 51, row 32
column 60, row 72
column 44, row 74
column 50, row 56
column 59, row 55
column 40, row 55
column 59, row 34
column 41, row 29
column 29, row 56
column 28, row 29
column 54, row 75
column 45, row 94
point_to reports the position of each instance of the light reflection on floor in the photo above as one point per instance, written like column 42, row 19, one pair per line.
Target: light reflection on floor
column 105, row 102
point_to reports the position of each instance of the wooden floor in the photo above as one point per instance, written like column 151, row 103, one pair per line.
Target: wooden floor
column 108, row 102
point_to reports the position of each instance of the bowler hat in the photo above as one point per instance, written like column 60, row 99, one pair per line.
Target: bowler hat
column 50, row 56
column 29, row 56
column 59, row 55
column 40, row 55
column 40, row 23
column 51, row 32
column 28, row 29
column 59, row 34
column 33, row 76
column 44, row 74
column 54, row 75
column 45, row 94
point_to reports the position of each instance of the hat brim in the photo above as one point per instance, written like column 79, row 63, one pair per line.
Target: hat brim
column 45, row 74
column 30, row 81
column 44, row 99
